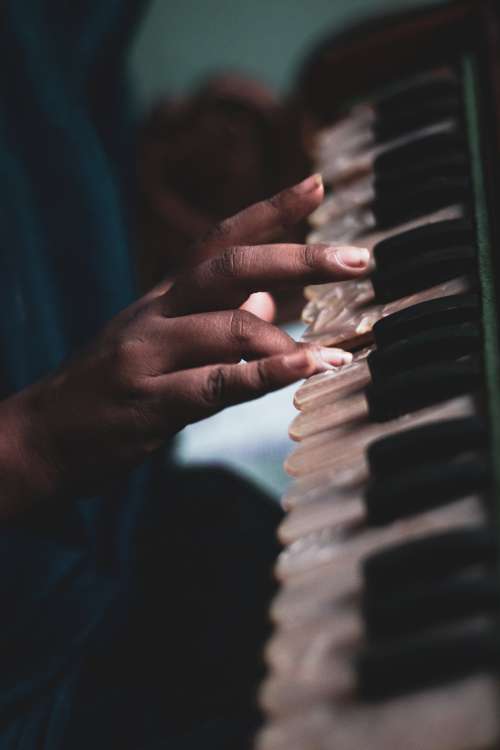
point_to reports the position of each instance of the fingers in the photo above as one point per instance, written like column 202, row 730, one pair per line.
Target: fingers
column 198, row 340
column 266, row 220
column 227, row 280
column 195, row 394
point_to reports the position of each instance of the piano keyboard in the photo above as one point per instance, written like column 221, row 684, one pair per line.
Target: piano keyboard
column 387, row 631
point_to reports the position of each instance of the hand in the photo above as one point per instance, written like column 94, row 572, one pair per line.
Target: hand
column 174, row 356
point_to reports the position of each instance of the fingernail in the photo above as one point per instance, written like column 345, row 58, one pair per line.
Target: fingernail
column 335, row 357
column 310, row 184
column 352, row 257
column 330, row 359
column 296, row 361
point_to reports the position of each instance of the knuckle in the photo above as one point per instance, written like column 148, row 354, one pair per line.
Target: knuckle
column 127, row 359
column 124, row 353
column 278, row 206
column 215, row 387
column 228, row 264
column 134, row 389
column 241, row 326
column 262, row 375
column 220, row 231
column 309, row 257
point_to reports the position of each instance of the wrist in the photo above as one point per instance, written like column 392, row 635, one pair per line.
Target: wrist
column 27, row 476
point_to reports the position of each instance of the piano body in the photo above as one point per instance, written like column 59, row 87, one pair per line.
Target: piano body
column 386, row 621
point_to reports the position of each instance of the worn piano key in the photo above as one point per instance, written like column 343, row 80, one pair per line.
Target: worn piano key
column 394, row 497
column 418, row 607
column 345, row 165
column 328, row 511
column 432, row 557
column 344, row 446
column 415, row 464
column 446, row 343
column 428, row 237
column 421, row 661
column 423, row 271
column 318, row 568
column 353, row 409
column 326, row 234
column 411, row 94
column 395, row 204
column 318, row 661
column 351, row 325
column 333, row 661
column 452, row 310
column 363, row 116
column 442, row 718
column 352, row 196
column 421, row 387
column 438, row 154
column 438, row 237
column 356, row 376
column 387, row 636
column 414, row 490
column 353, row 303
column 319, row 484
column 436, row 440
column 310, row 585
column 341, row 511
column 309, row 548
column 442, row 145
column 392, row 397
column 412, row 275
column 363, row 132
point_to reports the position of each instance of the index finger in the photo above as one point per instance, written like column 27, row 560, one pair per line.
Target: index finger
column 226, row 281
column 265, row 221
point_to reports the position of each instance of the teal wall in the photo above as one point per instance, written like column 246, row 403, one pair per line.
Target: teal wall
column 182, row 40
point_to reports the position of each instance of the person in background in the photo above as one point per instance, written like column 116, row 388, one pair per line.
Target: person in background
column 133, row 594
column 233, row 132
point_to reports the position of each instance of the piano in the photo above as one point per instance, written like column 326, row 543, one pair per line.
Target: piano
column 386, row 619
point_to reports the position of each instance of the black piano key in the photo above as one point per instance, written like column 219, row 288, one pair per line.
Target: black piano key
column 412, row 96
column 449, row 164
column 412, row 663
column 412, row 201
column 452, row 310
column 423, row 271
column 435, row 345
column 427, row 113
column 424, row 487
column 423, row 606
column 421, row 149
column 428, row 442
column 429, row 558
column 436, row 236
column 419, row 388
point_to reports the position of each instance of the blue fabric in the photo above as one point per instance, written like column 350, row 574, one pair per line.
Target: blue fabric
column 65, row 249
column 65, row 269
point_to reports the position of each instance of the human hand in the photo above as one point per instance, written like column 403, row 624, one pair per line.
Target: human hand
column 173, row 357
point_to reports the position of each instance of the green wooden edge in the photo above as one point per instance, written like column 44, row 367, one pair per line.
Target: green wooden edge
column 486, row 272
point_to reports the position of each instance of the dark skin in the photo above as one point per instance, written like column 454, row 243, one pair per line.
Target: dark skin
column 171, row 358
